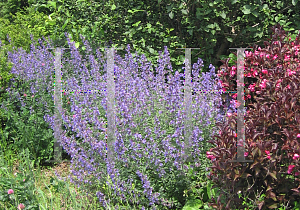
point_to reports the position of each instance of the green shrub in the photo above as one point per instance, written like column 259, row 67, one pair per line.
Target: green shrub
column 16, row 34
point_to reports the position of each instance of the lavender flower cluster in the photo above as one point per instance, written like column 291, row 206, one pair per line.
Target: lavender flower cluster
column 149, row 120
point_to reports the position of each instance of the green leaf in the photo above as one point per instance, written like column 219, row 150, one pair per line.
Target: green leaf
column 229, row 39
column 265, row 6
column 171, row 14
column 52, row 4
column 59, row 8
column 113, row 7
column 136, row 24
column 190, row 32
column 294, row 2
column 223, row 15
column 65, row 24
column 193, row 204
column 277, row 18
column 255, row 13
column 211, row 26
column 184, row 11
column 151, row 50
column 246, row 9
column 234, row 1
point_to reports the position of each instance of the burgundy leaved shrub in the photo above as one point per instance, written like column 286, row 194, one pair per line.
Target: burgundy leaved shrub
column 272, row 130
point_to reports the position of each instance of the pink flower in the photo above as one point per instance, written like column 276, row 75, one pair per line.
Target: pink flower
column 74, row 115
column 286, row 57
column 289, row 87
column 267, row 152
column 10, row 191
column 268, row 157
column 234, row 96
column 23, row 180
column 290, row 169
column 268, row 56
column 25, row 94
column 229, row 114
column 21, row 206
column 298, row 135
column 262, row 85
column 278, row 85
column 248, row 53
column 32, row 96
column 255, row 73
column 64, row 93
column 265, row 71
column 249, row 96
column 43, row 64
column 275, row 56
column 296, row 173
column 232, row 73
column 291, row 73
column 210, row 157
column 246, row 154
column 252, row 87
column 295, row 156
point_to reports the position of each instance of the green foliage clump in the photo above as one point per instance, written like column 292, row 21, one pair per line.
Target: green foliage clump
column 16, row 34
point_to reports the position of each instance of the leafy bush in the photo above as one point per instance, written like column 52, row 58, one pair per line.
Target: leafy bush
column 271, row 128
column 149, row 25
column 14, row 34
column 31, row 101
column 10, row 7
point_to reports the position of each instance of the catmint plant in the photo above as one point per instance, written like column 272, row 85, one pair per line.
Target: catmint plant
column 149, row 121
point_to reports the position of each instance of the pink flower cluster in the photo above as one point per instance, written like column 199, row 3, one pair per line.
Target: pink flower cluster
column 291, row 167
column 21, row 205
column 210, row 155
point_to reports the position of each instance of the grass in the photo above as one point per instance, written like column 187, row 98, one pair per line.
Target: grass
column 56, row 194
column 52, row 192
